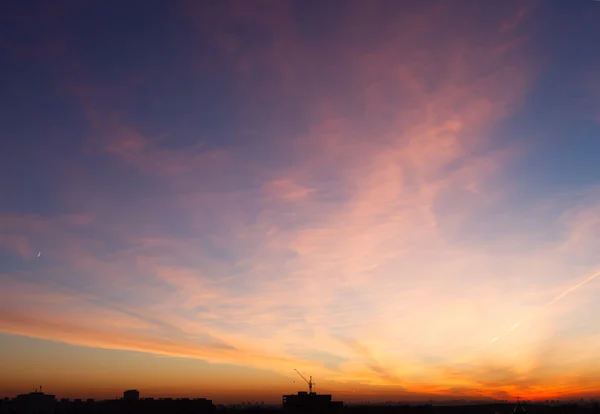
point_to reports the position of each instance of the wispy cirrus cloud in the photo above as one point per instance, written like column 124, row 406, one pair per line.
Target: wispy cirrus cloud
column 353, row 224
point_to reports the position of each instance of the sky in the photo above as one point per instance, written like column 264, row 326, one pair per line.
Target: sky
column 399, row 199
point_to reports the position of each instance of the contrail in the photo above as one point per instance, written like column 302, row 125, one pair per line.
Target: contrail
column 553, row 301
column 572, row 288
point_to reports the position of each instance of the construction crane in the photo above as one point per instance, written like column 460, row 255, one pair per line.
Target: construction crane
column 309, row 382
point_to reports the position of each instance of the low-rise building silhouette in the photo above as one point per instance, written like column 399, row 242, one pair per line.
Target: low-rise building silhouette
column 305, row 402
column 133, row 404
column 35, row 403
column 40, row 403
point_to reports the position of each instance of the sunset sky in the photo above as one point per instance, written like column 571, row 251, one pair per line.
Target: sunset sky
column 399, row 198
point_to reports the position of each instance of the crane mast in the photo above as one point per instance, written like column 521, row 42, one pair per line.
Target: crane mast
column 309, row 382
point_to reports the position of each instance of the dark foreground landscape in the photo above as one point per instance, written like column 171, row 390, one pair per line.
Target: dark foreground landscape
column 303, row 402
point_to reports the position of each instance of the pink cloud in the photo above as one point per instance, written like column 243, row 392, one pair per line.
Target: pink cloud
column 18, row 244
column 392, row 172
column 344, row 238
column 286, row 190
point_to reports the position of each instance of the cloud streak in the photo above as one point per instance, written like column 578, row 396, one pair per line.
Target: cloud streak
column 350, row 212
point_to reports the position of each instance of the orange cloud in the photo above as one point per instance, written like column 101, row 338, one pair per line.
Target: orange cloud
column 333, row 246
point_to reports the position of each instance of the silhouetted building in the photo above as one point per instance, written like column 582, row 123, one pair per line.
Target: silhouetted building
column 131, row 395
column 172, row 406
column 313, row 403
column 34, row 403
column 132, row 404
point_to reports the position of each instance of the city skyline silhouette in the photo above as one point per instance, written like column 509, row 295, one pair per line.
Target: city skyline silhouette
column 240, row 200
